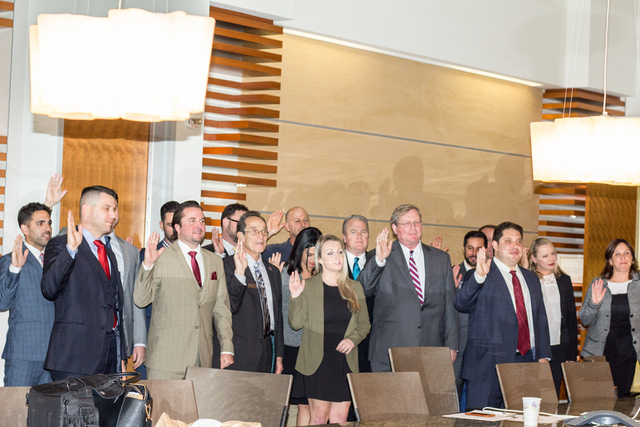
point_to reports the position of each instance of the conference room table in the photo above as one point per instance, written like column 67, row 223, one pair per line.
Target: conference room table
column 626, row 405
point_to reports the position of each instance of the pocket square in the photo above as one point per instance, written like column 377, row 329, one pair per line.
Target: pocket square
column 214, row 276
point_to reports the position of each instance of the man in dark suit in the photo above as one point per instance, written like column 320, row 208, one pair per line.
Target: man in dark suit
column 255, row 296
column 225, row 244
column 30, row 314
column 355, row 234
column 473, row 241
column 81, row 277
column 414, row 290
column 507, row 319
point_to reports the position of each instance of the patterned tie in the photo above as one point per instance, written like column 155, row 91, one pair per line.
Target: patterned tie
column 524, row 340
column 102, row 257
column 413, row 269
column 195, row 267
column 41, row 258
column 356, row 268
column 266, row 319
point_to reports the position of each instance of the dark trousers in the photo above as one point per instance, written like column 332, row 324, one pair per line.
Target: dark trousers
column 266, row 362
column 108, row 363
column 487, row 393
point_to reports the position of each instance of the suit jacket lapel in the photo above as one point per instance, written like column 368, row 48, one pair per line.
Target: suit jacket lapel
column 428, row 268
column 176, row 252
column 31, row 258
column 126, row 268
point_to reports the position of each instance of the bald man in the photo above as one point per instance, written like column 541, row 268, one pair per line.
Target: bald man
column 296, row 219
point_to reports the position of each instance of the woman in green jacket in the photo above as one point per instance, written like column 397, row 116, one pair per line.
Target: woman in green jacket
column 332, row 312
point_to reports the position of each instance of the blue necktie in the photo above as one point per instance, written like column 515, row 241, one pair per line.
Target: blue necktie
column 356, row 268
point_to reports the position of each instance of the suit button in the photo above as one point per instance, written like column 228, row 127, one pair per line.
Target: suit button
column 635, row 342
column 102, row 327
column 631, row 315
column 104, row 307
column 633, row 329
column 419, row 327
column 197, row 327
column 260, row 341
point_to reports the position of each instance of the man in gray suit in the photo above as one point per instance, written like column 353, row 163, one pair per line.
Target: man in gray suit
column 133, row 317
column 30, row 314
column 414, row 290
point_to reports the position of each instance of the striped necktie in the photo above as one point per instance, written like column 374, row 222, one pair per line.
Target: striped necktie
column 413, row 269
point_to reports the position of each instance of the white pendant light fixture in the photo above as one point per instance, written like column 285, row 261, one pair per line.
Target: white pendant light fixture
column 598, row 149
column 134, row 65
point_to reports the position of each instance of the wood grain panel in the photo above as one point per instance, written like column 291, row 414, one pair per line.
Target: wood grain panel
column 6, row 6
column 229, row 164
column 260, row 98
column 245, row 152
column 265, row 42
column 582, row 94
column 240, row 137
column 239, row 179
column 112, row 153
column 582, row 190
column 256, row 54
column 7, row 23
column 260, row 85
column 243, row 111
column 577, row 105
column 243, row 124
column 247, row 66
column 212, row 208
column 244, row 20
column 223, row 195
column 3, row 139
column 611, row 214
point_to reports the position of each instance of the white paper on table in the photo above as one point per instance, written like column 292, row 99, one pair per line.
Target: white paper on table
column 206, row 423
column 542, row 419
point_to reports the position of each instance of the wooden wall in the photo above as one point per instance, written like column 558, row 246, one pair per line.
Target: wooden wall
column 112, row 153
column 362, row 132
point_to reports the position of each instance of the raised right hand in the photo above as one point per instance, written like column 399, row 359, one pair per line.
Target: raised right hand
column 598, row 291
column 151, row 253
column 18, row 258
column 240, row 259
column 383, row 245
column 483, row 264
column 296, row 285
column 74, row 237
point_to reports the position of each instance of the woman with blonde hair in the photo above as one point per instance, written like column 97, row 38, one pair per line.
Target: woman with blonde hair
column 559, row 303
column 332, row 312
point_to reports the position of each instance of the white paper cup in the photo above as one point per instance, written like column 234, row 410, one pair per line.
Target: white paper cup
column 531, row 409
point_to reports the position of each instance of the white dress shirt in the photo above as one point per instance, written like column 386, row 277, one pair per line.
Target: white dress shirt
column 551, row 295
column 362, row 260
column 506, row 274
column 185, row 251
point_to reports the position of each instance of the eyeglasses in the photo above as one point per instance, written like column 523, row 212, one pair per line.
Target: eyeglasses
column 410, row 224
column 255, row 232
column 233, row 220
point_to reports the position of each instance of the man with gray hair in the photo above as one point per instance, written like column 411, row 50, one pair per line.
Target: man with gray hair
column 414, row 289
column 355, row 234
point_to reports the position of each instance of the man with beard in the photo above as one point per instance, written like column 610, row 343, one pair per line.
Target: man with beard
column 166, row 218
column 473, row 241
column 81, row 276
column 225, row 244
column 187, row 287
column 30, row 314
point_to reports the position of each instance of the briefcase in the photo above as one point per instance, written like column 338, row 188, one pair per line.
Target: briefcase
column 92, row 401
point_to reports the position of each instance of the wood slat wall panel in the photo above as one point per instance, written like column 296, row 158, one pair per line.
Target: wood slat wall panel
column 242, row 42
column 6, row 6
column 7, row 23
column 582, row 94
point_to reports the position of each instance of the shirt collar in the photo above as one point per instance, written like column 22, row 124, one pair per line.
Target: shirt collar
column 252, row 262
column 467, row 266
column 35, row 251
column 503, row 267
column 88, row 236
column 186, row 249
column 230, row 248
column 351, row 257
column 417, row 251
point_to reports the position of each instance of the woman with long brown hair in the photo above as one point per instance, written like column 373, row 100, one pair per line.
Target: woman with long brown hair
column 332, row 312
column 611, row 309
column 559, row 303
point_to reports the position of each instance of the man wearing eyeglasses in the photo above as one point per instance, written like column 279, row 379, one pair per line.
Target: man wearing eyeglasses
column 255, row 294
column 414, row 290
column 225, row 244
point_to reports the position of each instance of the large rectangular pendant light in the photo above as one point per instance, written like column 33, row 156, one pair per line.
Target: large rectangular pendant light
column 134, row 65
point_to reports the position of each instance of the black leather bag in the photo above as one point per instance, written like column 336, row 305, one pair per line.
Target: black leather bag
column 96, row 400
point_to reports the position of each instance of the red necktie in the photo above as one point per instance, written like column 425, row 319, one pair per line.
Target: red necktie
column 195, row 267
column 524, row 339
column 104, row 262
column 413, row 270
column 102, row 257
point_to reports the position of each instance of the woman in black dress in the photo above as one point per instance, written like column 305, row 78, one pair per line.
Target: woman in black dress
column 611, row 309
column 332, row 312
column 559, row 304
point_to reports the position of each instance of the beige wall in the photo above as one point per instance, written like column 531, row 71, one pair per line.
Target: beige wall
column 362, row 132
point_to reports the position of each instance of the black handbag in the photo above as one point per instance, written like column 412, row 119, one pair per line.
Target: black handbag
column 93, row 401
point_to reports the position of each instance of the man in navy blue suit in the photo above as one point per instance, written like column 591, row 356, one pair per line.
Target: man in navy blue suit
column 81, row 277
column 507, row 319
column 30, row 314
